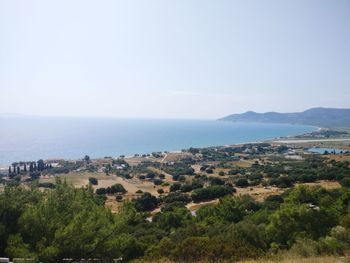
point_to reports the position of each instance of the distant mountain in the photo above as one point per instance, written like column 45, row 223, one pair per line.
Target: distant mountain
column 322, row 117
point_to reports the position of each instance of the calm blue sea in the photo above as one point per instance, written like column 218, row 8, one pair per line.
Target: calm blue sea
column 31, row 138
column 323, row 150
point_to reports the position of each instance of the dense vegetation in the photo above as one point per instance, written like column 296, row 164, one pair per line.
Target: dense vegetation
column 49, row 221
column 65, row 222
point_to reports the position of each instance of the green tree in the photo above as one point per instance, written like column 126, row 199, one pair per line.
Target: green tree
column 41, row 165
column 146, row 202
column 87, row 158
column 93, row 181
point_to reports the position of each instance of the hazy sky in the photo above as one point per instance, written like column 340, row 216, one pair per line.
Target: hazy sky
column 175, row 59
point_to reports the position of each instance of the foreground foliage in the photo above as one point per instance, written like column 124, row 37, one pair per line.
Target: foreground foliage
column 65, row 222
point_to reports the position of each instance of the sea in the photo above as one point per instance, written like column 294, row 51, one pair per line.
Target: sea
column 24, row 138
column 321, row 150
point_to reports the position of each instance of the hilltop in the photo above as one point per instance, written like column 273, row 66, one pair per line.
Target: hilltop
column 323, row 117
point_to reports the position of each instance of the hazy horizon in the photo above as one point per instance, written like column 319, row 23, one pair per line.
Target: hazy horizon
column 187, row 59
column 14, row 114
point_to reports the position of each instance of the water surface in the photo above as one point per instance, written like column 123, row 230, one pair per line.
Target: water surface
column 31, row 138
column 323, row 150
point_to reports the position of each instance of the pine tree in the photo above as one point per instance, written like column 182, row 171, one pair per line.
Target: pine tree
column 41, row 165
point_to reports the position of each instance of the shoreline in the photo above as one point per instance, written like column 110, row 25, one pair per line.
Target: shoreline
column 283, row 139
column 311, row 140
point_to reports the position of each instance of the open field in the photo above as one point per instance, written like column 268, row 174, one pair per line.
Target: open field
column 79, row 179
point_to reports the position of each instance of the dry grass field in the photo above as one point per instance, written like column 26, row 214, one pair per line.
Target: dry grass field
column 79, row 179
column 325, row 184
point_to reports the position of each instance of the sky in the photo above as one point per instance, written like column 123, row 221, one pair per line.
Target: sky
column 173, row 59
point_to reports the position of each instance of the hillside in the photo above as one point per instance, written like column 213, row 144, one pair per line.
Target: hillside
column 323, row 117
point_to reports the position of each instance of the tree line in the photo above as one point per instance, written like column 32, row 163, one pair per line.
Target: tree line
column 65, row 222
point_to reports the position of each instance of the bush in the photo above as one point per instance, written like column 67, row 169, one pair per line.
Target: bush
column 93, row 180
column 209, row 171
column 177, row 197
column 212, row 192
column 181, row 178
column 101, row 191
column 175, row 187
column 282, row 182
column 216, row 181
column 186, row 188
column 198, row 249
column 146, row 202
column 345, row 182
column 116, row 188
column 151, row 175
column 242, row 182
column 157, row 181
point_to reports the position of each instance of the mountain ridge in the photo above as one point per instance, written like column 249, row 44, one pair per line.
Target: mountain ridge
column 319, row 116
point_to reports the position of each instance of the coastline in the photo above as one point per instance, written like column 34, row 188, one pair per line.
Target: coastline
column 280, row 139
column 312, row 140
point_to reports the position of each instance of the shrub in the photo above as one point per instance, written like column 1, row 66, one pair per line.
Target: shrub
column 242, row 182
column 157, row 181
column 177, row 197
column 211, row 192
column 117, row 188
column 146, row 202
column 186, row 188
column 216, row 181
column 182, row 178
column 175, row 187
column 93, row 180
column 209, row 171
column 101, row 191
column 151, row 175
column 345, row 182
